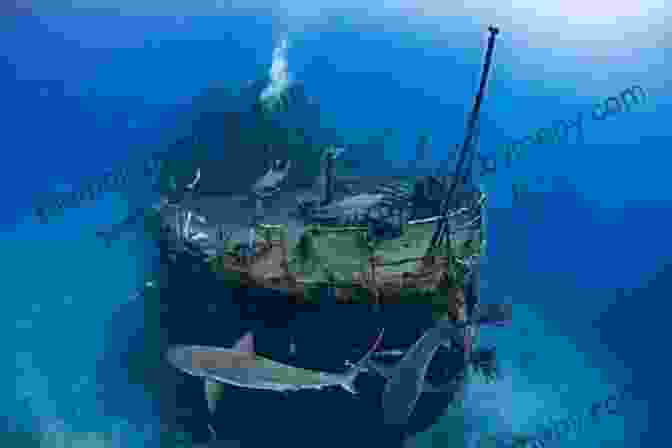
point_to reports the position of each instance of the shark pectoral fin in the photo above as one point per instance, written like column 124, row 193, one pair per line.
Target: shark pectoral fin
column 213, row 393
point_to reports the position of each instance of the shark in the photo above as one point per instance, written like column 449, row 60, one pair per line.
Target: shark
column 266, row 184
column 405, row 381
column 133, row 220
column 269, row 182
column 241, row 366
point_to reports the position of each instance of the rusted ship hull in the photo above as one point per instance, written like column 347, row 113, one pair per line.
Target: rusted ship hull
column 426, row 283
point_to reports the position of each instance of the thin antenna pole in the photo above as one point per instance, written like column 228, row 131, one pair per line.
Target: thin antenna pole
column 445, row 206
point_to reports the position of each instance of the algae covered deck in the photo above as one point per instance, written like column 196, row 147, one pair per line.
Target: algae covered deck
column 345, row 252
column 340, row 259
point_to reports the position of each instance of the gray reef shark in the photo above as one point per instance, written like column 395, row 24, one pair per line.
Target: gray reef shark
column 241, row 366
column 270, row 181
column 406, row 380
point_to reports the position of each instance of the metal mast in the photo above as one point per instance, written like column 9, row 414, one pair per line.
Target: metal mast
column 445, row 206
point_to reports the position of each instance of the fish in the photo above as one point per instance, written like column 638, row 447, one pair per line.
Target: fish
column 192, row 185
column 214, row 390
column 270, row 181
column 406, row 380
column 241, row 366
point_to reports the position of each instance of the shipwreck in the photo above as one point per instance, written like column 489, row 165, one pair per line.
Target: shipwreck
column 405, row 237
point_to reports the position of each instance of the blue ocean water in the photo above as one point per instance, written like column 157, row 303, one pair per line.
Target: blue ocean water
column 584, row 256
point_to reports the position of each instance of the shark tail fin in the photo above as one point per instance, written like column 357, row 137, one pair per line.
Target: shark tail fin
column 355, row 369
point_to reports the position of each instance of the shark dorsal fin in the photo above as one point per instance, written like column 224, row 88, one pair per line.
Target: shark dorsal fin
column 245, row 344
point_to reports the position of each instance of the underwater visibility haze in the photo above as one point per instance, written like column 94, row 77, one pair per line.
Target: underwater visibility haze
column 308, row 223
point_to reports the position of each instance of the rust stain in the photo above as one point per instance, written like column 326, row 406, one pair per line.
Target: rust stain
column 269, row 270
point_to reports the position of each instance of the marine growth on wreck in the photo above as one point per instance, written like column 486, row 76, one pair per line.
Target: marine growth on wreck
column 283, row 208
column 281, row 211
